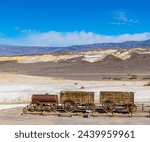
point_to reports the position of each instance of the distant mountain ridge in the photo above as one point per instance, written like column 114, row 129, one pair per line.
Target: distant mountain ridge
column 8, row 50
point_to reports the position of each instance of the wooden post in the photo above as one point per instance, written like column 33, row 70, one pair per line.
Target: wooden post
column 94, row 112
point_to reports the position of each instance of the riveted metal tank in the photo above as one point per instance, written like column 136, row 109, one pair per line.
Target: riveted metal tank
column 47, row 98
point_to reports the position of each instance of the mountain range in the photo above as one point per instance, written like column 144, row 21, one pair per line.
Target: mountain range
column 8, row 50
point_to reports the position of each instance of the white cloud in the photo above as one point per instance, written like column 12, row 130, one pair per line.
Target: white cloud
column 122, row 18
column 53, row 38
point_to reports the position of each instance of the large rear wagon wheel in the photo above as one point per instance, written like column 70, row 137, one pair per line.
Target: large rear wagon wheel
column 39, row 108
column 131, row 108
column 109, row 106
column 53, row 107
column 69, row 106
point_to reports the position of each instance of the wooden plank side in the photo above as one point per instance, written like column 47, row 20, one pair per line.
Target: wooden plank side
column 77, row 97
column 117, row 97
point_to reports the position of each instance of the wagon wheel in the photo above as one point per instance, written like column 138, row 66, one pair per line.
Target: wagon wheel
column 45, row 108
column 69, row 106
column 53, row 107
column 32, row 107
column 109, row 106
column 131, row 108
column 50, row 107
column 39, row 108
column 26, row 109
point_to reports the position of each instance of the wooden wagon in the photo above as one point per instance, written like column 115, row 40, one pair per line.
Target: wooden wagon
column 72, row 99
column 110, row 100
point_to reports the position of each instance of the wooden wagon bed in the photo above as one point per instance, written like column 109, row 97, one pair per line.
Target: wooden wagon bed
column 117, row 97
column 72, row 99
column 113, row 99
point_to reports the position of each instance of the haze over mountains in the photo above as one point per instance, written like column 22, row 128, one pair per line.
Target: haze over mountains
column 8, row 50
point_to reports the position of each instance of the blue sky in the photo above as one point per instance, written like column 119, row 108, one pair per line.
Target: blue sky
column 69, row 22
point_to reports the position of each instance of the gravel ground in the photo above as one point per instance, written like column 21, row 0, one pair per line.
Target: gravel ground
column 13, row 117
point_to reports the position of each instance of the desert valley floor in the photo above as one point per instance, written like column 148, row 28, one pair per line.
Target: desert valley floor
column 16, row 91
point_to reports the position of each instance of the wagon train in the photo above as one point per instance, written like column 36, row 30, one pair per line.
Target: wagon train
column 82, row 101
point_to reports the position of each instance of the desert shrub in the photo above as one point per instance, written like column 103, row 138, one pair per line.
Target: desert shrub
column 116, row 78
column 10, row 70
column 107, row 78
column 133, row 77
column 82, row 87
column 75, row 83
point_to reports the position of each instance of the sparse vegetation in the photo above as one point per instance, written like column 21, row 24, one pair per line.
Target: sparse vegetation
column 82, row 87
column 116, row 78
column 131, row 77
column 76, row 83
column 10, row 70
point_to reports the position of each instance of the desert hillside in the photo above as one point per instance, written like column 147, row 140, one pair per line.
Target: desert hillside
column 89, row 56
column 85, row 65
